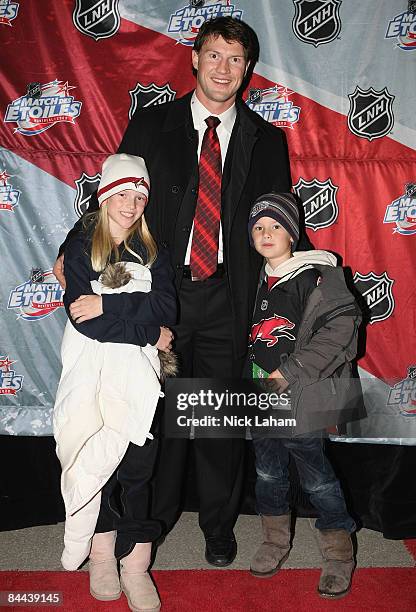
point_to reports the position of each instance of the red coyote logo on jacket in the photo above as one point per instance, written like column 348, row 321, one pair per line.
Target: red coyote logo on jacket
column 270, row 330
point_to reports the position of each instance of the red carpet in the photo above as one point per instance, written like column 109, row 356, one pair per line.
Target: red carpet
column 389, row 589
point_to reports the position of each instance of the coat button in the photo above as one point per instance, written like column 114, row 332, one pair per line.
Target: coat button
column 194, row 190
column 175, row 188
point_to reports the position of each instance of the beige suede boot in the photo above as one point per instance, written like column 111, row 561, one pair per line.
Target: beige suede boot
column 136, row 582
column 338, row 565
column 104, row 580
column 274, row 551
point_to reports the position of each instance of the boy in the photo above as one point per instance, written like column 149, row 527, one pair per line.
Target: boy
column 309, row 336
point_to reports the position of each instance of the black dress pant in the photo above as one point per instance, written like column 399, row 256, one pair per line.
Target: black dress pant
column 204, row 345
column 125, row 500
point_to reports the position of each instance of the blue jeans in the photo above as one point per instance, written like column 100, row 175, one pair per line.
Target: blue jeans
column 316, row 477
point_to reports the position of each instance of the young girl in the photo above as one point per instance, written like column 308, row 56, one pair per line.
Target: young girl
column 119, row 297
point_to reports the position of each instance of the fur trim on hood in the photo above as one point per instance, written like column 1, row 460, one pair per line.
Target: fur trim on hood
column 116, row 275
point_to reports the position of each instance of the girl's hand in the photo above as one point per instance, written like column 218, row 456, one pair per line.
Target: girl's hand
column 279, row 382
column 86, row 307
column 165, row 340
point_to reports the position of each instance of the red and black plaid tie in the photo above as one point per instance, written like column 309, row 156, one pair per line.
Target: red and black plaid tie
column 204, row 250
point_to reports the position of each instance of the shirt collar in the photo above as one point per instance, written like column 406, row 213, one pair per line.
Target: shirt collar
column 200, row 113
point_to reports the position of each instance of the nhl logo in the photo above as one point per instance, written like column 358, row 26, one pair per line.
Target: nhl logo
column 319, row 202
column 411, row 372
column 377, row 291
column 86, row 185
column 254, row 96
column 316, row 22
column 149, row 95
column 410, row 190
column 36, row 275
column 34, row 90
column 371, row 113
column 96, row 18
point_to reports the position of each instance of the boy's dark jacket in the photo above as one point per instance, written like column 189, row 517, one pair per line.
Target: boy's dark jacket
column 319, row 370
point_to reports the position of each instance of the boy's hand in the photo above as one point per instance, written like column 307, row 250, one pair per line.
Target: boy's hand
column 279, row 382
column 58, row 270
column 165, row 340
column 86, row 307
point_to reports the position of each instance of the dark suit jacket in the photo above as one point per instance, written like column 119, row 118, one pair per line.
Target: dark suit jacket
column 256, row 162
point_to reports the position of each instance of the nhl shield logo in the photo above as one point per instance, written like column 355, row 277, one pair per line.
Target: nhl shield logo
column 96, row 18
column 316, row 22
column 86, row 185
column 319, row 202
column 149, row 95
column 371, row 113
column 377, row 291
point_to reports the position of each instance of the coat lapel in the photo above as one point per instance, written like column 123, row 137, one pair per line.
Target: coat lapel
column 237, row 164
column 181, row 139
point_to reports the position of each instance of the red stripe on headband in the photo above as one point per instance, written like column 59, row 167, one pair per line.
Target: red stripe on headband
column 127, row 179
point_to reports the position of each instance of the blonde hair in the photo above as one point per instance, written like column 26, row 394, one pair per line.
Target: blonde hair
column 103, row 245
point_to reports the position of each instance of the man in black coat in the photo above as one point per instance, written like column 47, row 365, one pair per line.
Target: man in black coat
column 214, row 313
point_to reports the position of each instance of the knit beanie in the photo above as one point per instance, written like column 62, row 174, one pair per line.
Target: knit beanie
column 279, row 206
column 122, row 171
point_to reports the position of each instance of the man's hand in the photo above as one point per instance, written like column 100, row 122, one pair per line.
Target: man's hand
column 280, row 383
column 165, row 340
column 86, row 307
column 58, row 270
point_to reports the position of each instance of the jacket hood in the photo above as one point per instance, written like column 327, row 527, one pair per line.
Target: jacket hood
column 304, row 260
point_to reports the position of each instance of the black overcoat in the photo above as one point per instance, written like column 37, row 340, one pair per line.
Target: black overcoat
column 257, row 162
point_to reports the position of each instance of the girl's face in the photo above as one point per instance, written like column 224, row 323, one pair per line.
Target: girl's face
column 124, row 209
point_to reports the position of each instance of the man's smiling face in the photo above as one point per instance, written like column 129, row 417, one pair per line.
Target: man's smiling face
column 221, row 67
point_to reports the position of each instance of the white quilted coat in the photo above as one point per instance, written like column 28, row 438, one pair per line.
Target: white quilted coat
column 106, row 398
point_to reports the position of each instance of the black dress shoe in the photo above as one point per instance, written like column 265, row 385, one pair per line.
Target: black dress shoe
column 220, row 550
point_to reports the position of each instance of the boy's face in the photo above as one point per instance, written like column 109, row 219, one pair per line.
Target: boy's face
column 272, row 241
column 124, row 209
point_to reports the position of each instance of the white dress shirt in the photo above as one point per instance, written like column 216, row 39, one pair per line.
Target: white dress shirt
column 199, row 114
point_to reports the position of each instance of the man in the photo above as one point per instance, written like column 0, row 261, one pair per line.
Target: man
column 242, row 156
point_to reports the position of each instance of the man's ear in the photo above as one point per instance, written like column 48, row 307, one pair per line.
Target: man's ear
column 195, row 59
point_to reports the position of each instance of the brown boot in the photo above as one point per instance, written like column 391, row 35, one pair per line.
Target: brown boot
column 274, row 551
column 104, row 580
column 136, row 582
column 336, row 549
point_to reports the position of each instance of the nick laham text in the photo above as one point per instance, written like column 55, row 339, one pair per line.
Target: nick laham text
column 234, row 421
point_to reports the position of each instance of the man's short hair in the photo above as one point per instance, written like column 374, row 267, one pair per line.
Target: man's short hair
column 231, row 30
